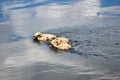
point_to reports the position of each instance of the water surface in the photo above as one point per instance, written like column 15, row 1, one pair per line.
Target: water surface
column 93, row 26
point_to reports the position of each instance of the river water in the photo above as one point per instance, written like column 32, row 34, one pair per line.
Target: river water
column 93, row 27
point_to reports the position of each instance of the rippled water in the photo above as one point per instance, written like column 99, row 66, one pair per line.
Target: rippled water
column 93, row 26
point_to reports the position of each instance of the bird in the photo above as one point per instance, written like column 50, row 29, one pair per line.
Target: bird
column 61, row 43
column 43, row 37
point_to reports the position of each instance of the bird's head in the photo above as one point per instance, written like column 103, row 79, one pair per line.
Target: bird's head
column 36, row 35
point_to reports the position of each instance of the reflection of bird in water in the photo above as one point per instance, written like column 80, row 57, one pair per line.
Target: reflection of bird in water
column 60, row 43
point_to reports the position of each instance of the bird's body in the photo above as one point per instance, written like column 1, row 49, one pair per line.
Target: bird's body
column 61, row 43
column 44, row 37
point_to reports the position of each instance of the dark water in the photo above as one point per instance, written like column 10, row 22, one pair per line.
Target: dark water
column 93, row 26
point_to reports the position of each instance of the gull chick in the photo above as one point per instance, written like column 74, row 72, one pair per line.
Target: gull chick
column 43, row 37
column 61, row 43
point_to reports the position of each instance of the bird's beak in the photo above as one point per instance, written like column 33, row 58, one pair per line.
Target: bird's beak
column 34, row 37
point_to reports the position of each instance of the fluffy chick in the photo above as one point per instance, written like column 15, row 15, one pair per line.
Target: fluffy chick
column 61, row 43
column 43, row 37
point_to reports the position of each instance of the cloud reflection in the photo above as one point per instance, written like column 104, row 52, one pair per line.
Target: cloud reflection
column 26, row 21
column 35, row 53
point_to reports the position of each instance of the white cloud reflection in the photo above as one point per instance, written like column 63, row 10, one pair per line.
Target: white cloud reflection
column 53, row 15
column 44, row 56
column 35, row 53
